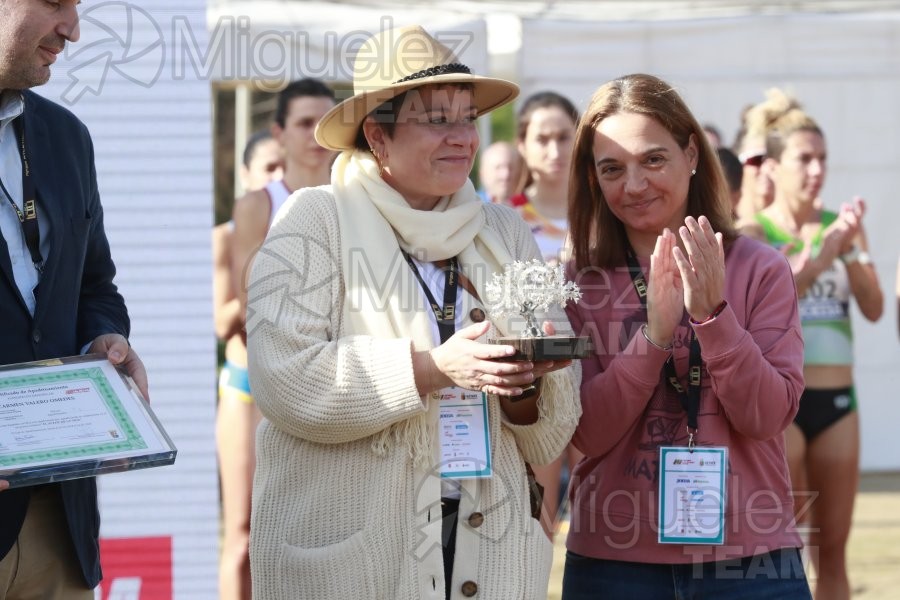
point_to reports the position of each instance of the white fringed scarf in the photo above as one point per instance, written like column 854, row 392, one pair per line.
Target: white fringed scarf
column 382, row 294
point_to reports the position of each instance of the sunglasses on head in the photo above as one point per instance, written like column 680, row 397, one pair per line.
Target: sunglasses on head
column 754, row 160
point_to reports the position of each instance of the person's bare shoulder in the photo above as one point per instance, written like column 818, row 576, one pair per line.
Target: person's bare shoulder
column 252, row 208
column 752, row 229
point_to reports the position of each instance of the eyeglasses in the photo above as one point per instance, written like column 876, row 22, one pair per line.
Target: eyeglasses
column 754, row 160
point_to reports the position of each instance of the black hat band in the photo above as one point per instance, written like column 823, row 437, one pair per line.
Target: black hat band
column 438, row 70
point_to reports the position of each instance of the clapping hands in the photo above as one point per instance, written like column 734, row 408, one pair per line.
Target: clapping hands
column 691, row 279
column 838, row 237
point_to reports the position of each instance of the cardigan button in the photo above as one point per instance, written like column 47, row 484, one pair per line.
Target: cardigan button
column 469, row 589
column 477, row 315
column 476, row 519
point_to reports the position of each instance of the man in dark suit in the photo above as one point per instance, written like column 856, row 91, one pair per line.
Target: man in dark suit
column 57, row 296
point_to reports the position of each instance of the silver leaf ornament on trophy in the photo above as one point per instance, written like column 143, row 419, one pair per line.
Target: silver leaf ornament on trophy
column 523, row 288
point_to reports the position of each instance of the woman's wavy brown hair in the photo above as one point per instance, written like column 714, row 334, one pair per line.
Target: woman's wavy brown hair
column 598, row 236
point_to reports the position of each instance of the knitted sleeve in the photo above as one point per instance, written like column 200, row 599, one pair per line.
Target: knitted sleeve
column 559, row 405
column 307, row 379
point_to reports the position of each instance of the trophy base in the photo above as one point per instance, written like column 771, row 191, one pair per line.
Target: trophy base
column 551, row 347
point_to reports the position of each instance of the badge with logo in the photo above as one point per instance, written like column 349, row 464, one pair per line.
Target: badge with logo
column 464, row 433
column 692, row 495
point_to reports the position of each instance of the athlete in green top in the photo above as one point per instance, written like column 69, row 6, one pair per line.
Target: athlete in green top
column 829, row 256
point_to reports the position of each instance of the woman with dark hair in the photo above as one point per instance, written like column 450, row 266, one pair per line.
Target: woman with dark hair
column 544, row 135
column 683, row 491
column 829, row 254
column 391, row 459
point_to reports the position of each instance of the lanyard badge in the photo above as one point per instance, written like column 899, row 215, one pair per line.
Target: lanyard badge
column 691, row 480
column 690, row 398
column 28, row 213
column 463, row 422
column 464, row 434
column 692, row 495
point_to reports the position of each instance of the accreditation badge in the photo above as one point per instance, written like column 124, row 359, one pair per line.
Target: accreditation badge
column 692, row 495
column 464, row 434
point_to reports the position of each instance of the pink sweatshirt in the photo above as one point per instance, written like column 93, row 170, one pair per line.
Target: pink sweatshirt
column 752, row 380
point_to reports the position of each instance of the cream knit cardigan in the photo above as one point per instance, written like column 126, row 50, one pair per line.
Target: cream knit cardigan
column 333, row 518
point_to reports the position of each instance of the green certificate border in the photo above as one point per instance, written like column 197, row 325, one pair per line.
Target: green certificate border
column 132, row 439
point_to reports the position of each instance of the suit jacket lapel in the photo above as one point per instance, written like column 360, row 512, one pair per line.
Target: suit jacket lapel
column 5, row 263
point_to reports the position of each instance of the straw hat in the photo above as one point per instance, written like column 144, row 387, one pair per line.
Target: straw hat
column 392, row 62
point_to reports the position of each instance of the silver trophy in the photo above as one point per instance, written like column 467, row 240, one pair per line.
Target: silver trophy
column 526, row 287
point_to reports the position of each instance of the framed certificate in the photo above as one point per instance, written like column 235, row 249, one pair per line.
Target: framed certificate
column 75, row 417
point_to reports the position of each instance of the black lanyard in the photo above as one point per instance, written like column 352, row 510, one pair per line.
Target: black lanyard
column 446, row 316
column 27, row 217
column 690, row 400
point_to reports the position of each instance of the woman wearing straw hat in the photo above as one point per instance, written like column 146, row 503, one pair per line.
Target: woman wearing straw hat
column 391, row 460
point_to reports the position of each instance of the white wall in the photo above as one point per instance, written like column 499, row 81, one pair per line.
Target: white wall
column 152, row 136
column 845, row 68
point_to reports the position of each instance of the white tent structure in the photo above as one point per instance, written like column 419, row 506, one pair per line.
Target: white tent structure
column 267, row 43
column 287, row 40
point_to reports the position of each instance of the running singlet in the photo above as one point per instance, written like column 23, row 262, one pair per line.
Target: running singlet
column 278, row 195
column 550, row 234
column 824, row 308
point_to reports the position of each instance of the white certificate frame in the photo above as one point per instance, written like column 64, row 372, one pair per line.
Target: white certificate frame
column 74, row 417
